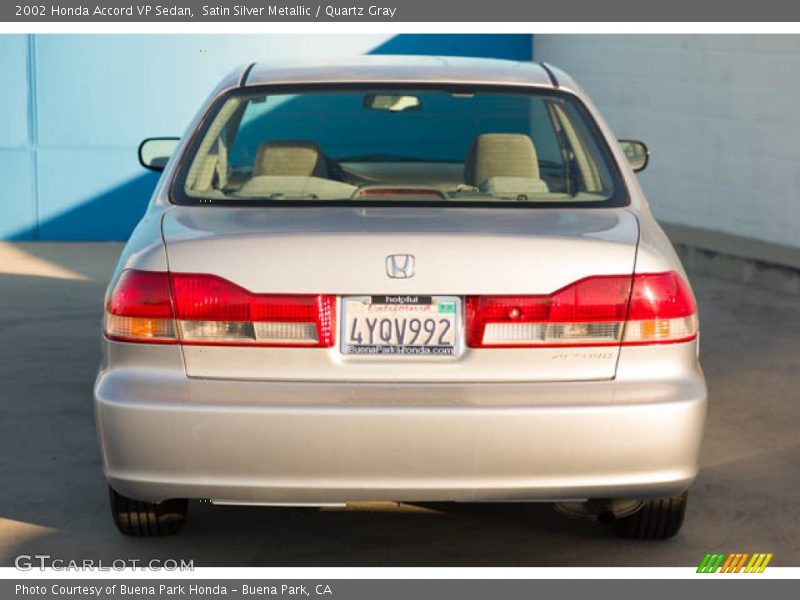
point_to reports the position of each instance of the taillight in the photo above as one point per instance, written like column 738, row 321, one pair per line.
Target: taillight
column 662, row 309
column 140, row 310
column 591, row 312
column 209, row 310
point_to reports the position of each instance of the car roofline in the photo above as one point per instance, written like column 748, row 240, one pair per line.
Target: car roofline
column 406, row 70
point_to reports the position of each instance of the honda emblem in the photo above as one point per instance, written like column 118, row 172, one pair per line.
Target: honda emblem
column 400, row 266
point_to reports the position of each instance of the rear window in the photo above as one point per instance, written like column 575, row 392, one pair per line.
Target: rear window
column 382, row 145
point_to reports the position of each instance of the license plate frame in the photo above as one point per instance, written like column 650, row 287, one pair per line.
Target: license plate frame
column 451, row 308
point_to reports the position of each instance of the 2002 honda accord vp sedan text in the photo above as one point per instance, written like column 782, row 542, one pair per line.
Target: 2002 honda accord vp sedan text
column 408, row 279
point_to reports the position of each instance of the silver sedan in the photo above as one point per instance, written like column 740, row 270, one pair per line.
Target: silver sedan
column 407, row 279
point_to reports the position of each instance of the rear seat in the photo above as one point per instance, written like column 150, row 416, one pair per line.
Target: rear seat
column 295, row 158
column 503, row 163
column 292, row 168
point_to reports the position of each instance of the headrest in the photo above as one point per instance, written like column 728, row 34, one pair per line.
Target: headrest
column 500, row 155
column 300, row 158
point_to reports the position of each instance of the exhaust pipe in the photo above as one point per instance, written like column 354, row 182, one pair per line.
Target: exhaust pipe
column 603, row 510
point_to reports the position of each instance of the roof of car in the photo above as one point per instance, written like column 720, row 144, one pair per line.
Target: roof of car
column 403, row 69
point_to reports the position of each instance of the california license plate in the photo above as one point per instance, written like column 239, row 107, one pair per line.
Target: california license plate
column 401, row 325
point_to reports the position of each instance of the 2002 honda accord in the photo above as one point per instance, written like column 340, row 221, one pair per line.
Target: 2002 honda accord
column 408, row 279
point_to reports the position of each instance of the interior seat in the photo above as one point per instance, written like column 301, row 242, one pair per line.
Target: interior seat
column 501, row 160
column 290, row 158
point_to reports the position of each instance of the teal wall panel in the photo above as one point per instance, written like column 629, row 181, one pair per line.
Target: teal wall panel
column 18, row 200
column 14, row 96
column 73, row 109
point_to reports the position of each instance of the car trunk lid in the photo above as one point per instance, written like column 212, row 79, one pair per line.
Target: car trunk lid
column 343, row 251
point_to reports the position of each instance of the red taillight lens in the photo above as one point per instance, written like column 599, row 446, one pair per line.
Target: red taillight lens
column 588, row 312
column 660, row 296
column 662, row 309
column 211, row 310
column 140, row 310
column 591, row 312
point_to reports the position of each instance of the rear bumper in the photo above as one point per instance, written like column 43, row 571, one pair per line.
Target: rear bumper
column 271, row 442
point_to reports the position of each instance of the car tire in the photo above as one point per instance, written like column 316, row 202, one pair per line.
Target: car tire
column 658, row 519
column 146, row 519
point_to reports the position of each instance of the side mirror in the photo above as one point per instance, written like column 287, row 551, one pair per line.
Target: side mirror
column 637, row 154
column 155, row 152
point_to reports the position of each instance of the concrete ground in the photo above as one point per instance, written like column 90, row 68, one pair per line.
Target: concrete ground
column 53, row 497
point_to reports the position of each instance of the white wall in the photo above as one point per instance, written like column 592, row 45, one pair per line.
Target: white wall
column 721, row 115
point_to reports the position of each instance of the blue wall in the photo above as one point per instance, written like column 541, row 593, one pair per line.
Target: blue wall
column 75, row 107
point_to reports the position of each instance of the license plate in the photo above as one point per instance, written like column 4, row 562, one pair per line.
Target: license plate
column 401, row 325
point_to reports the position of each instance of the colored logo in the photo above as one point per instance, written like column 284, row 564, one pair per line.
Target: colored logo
column 740, row 562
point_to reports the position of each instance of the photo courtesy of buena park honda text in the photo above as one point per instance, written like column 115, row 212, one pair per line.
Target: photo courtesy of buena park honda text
column 399, row 300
